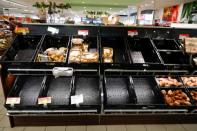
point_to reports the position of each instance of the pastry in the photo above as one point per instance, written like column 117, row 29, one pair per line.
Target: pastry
column 176, row 98
column 89, row 57
column 85, row 47
column 108, row 60
column 168, row 82
column 194, row 94
column 107, row 52
column 75, row 56
column 189, row 81
column 77, row 41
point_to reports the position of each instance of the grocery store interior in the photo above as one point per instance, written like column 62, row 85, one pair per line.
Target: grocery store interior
column 90, row 65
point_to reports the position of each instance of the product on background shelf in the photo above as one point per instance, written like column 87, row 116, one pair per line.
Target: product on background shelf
column 53, row 55
column 194, row 94
column 176, row 98
column 107, row 55
column 168, row 82
column 189, row 81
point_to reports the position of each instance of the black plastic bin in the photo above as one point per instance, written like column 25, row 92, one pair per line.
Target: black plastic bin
column 120, row 54
column 146, row 92
column 166, row 44
column 141, row 50
column 23, row 49
column 27, row 88
column 174, row 58
column 59, row 89
column 89, row 87
column 53, row 42
column 93, row 46
column 185, row 90
column 118, row 92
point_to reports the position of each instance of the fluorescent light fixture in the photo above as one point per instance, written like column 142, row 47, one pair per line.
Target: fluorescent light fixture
column 14, row 3
column 110, row 8
column 26, row 10
column 83, row 2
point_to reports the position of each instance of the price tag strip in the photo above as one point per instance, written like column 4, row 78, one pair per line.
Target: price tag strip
column 53, row 30
column 183, row 36
column 13, row 101
column 77, row 99
column 132, row 33
column 44, row 101
column 83, row 32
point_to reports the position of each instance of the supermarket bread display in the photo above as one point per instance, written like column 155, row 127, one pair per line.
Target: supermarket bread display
column 194, row 94
column 79, row 53
column 168, row 82
column 53, row 55
column 176, row 98
column 189, row 81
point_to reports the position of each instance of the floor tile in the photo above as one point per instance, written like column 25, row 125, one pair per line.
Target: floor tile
column 190, row 127
column 76, row 128
column 96, row 128
column 155, row 128
column 13, row 129
column 3, row 111
column 1, row 128
column 41, row 128
column 1, row 100
column 116, row 128
column 55, row 128
column 5, row 122
column 135, row 128
column 174, row 127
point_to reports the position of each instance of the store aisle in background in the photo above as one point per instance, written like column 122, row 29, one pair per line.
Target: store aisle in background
column 4, row 125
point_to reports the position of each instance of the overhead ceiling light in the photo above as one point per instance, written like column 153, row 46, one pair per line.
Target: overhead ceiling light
column 83, row 2
column 146, row 4
column 84, row 7
column 26, row 10
column 110, row 8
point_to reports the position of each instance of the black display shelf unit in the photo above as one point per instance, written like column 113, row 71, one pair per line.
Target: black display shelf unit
column 122, row 92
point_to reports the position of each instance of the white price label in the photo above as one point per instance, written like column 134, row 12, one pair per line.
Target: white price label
column 77, row 99
column 53, row 30
column 13, row 100
column 44, row 100
column 132, row 32
column 83, row 32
